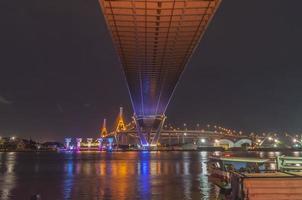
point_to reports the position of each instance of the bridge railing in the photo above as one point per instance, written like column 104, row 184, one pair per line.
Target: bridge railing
column 289, row 163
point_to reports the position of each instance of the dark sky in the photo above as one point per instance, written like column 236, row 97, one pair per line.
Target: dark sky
column 60, row 75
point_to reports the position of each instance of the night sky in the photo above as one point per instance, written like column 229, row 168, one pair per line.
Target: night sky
column 60, row 74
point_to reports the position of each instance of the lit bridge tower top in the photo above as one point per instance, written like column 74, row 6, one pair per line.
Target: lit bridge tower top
column 104, row 131
column 155, row 39
column 120, row 122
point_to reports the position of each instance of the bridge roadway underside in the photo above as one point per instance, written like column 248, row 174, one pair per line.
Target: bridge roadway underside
column 155, row 40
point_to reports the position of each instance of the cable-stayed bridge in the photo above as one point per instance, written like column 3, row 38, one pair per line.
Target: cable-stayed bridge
column 155, row 40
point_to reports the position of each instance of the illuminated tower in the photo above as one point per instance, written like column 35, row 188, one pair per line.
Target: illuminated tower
column 67, row 143
column 104, row 129
column 120, row 122
column 100, row 140
column 79, row 140
column 155, row 39
column 89, row 141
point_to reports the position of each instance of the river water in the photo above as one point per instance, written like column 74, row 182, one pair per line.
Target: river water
column 177, row 175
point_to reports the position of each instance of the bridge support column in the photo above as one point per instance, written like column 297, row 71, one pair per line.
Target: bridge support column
column 116, row 137
column 145, row 125
column 157, row 133
column 100, row 140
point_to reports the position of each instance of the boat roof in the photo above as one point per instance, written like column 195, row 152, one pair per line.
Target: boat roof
column 273, row 175
column 241, row 159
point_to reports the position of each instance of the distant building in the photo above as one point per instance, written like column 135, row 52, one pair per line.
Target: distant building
column 51, row 146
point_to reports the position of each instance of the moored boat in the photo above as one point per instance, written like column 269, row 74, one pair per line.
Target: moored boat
column 253, row 178
column 220, row 169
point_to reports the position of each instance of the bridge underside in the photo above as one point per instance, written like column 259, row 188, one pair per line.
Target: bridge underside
column 155, row 39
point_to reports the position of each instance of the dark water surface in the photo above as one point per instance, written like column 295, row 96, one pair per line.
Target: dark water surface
column 117, row 176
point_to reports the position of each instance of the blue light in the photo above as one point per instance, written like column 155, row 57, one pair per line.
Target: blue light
column 68, row 181
column 145, row 144
column 144, row 171
column 110, row 140
column 110, row 148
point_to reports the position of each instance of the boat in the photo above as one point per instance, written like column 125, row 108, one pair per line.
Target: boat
column 285, row 182
column 243, row 178
column 220, row 169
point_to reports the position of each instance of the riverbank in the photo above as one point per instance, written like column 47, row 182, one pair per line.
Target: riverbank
column 28, row 150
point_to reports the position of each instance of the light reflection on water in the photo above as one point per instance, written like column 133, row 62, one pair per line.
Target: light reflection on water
column 117, row 175
column 68, row 179
column 7, row 178
column 204, row 181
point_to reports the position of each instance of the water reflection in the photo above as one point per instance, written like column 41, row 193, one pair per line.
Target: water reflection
column 8, row 178
column 204, row 181
column 144, row 175
column 68, row 179
column 187, row 179
column 110, row 176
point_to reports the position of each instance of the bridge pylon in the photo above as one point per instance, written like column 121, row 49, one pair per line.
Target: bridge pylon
column 104, row 131
column 146, row 125
column 120, row 122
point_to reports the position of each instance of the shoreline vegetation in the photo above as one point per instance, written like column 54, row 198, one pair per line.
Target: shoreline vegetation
column 14, row 144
